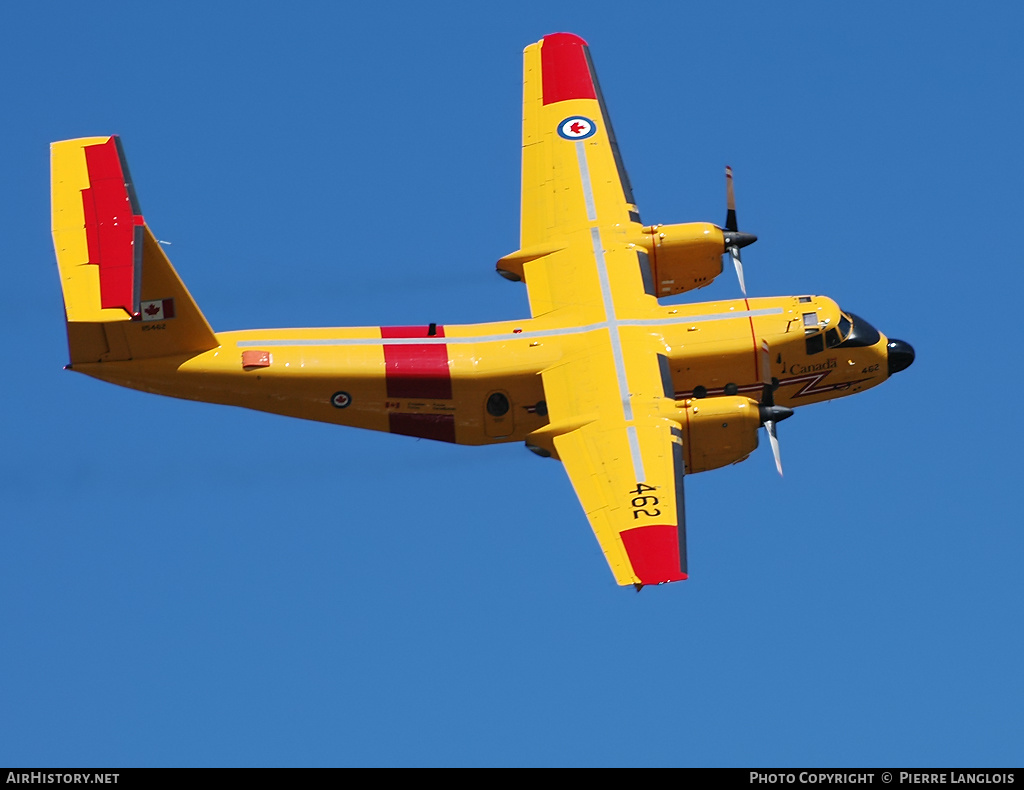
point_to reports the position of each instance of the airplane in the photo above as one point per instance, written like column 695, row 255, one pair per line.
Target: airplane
column 629, row 393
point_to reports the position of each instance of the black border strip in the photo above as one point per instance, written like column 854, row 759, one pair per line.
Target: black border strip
column 627, row 187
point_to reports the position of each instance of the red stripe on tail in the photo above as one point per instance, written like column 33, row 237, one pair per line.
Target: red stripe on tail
column 110, row 226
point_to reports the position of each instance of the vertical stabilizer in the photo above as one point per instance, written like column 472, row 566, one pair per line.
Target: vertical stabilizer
column 122, row 298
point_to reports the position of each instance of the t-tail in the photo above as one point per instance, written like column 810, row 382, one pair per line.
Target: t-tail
column 122, row 298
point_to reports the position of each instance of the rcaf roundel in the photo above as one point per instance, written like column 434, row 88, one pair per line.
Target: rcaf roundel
column 576, row 127
column 341, row 400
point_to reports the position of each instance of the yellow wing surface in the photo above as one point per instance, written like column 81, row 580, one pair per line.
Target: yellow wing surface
column 573, row 179
column 565, row 127
column 613, row 419
column 624, row 454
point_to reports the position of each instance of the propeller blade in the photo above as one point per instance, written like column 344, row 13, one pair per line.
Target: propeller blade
column 766, row 364
column 770, row 382
column 734, row 240
column 769, row 410
column 735, row 253
column 730, row 202
column 774, row 439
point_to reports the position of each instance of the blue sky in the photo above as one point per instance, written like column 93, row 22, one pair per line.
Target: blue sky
column 186, row 584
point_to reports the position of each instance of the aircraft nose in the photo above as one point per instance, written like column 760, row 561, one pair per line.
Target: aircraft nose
column 901, row 355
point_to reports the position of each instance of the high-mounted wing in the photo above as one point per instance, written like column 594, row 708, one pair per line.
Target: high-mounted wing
column 562, row 101
column 573, row 178
column 626, row 465
column 613, row 420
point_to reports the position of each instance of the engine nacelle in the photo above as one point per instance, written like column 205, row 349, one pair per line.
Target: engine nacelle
column 683, row 257
column 718, row 431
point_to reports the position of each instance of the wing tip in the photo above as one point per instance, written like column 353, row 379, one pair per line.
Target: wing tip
column 565, row 38
column 656, row 553
column 565, row 69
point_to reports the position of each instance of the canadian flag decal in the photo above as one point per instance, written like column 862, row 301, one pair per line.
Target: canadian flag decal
column 160, row 310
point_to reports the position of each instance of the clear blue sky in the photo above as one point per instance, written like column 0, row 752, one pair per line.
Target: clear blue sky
column 186, row 584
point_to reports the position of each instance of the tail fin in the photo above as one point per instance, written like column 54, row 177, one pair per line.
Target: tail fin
column 122, row 298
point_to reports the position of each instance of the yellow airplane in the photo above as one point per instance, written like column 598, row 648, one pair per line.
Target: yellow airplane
column 630, row 394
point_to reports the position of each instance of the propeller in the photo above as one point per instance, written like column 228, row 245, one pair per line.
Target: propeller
column 734, row 240
column 770, row 413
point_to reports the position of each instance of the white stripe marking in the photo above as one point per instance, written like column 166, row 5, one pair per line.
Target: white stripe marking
column 613, row 325
column 695, row 319
column 638, row 458
column 504, row 338
column 588, row 192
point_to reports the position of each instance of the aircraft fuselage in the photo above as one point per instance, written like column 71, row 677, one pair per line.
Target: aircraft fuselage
column 480, row 384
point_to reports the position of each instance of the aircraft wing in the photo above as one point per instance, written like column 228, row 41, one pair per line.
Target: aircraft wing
column 572, row 175
column 612, row 415
column 627, row 473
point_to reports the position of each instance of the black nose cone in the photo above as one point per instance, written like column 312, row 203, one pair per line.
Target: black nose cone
column 901, row 355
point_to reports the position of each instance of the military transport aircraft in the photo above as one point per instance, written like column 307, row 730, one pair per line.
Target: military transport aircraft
column 629, row 393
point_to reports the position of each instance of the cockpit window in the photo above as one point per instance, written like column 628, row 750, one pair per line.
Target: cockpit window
column 810, row 321
column 832, row 338
column 845, row 325
column 816, row 343
column 861, row 334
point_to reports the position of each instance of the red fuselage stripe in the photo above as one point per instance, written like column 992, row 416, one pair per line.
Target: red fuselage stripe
column 753, row 340
column 440, row 427
column 416, row 371
column 564, row 71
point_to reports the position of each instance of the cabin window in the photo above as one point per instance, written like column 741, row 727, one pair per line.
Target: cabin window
column 497, row 404
column 815, row 343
